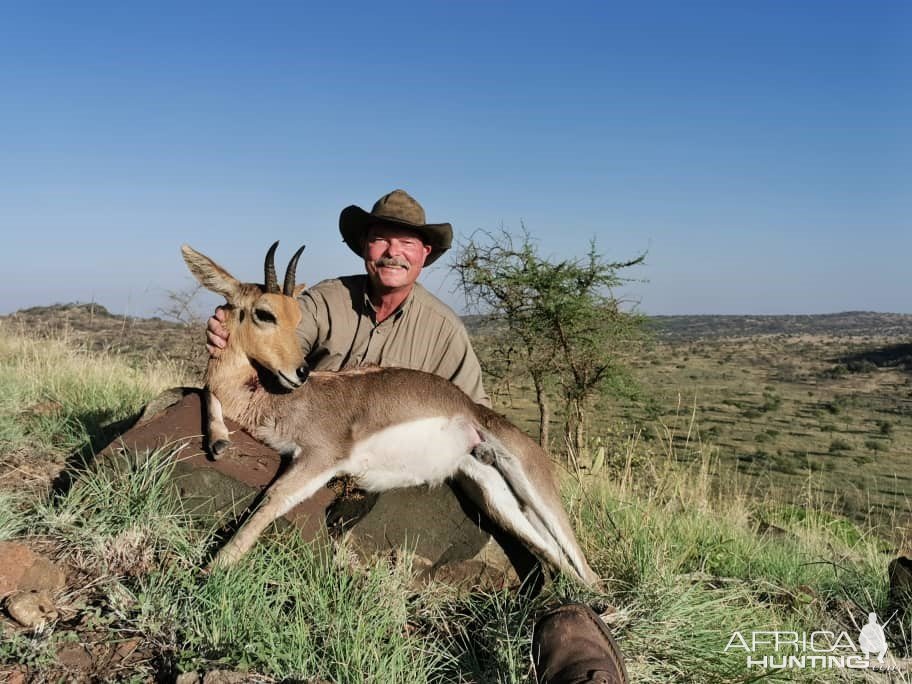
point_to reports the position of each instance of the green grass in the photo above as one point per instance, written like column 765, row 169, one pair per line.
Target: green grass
column 11, row 515
column 684, row 568
column 288, row 609
column 688, row 570
column 688, row 556
column 773, row 413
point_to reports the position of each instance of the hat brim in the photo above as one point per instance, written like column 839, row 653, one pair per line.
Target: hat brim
column 354, row 222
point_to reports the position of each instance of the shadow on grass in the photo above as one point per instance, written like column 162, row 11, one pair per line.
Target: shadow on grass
column 101, row 433
column 892, row 356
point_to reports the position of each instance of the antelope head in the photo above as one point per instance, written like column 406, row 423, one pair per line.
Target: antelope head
column 262, row 320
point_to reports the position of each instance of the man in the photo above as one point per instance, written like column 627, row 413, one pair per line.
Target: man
column 386, row 318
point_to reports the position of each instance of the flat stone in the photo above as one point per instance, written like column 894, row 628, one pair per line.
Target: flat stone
column 187, row 678
column 21, row 569
column 75, row 658
column 17, row 675
column 453, row 541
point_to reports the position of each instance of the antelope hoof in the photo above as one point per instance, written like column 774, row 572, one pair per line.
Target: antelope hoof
column 225, row 558
column 485, row 453
column 219, row 448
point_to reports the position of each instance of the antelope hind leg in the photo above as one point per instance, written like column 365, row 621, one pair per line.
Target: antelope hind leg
column 299, row 482
column 542, row 503
column 498, row 500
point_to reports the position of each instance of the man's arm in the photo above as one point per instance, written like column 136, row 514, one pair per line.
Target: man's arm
column 460, row 366
column 309, row 327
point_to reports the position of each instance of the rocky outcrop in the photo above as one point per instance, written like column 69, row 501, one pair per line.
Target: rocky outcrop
column 451, row 540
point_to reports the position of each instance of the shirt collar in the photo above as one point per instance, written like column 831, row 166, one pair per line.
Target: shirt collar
column 370, row 310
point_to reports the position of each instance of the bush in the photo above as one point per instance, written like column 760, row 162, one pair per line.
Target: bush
column 839, row 445
column 885, row 427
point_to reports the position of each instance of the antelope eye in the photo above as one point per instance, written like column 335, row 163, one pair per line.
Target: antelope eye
column 264, row 316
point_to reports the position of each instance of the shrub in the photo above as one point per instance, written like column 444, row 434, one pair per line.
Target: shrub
column 838, row 445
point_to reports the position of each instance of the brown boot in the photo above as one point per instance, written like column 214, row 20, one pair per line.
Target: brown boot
column 571, row 645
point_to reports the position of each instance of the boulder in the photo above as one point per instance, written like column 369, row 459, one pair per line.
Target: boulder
column 451, row 539
column 23, row 570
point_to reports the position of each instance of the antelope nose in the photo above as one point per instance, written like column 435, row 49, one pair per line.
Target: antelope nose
column 302, row 372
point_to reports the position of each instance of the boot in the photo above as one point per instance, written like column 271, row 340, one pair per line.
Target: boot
column 571, row 645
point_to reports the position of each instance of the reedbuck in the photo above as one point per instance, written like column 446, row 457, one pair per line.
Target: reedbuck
column 385, row 427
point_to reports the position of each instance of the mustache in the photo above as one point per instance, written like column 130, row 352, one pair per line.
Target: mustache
column 392, row 261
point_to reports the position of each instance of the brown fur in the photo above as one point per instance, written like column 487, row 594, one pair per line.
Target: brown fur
column 320, row 421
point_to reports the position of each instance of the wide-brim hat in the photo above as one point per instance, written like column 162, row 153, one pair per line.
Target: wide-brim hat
column 400, row 209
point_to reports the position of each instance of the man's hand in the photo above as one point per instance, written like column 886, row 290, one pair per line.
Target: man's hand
column 216, row 333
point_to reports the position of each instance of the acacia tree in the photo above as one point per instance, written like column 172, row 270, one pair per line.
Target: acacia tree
column 560, row 323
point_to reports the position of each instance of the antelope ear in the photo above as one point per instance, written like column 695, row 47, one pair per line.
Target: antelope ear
column 210, row 275
column 298, row 289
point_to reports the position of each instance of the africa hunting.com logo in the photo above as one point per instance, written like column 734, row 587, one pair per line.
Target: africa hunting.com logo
column 822, row 649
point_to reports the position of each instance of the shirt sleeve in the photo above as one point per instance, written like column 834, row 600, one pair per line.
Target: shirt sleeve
column 309, row 327
column 460, row 365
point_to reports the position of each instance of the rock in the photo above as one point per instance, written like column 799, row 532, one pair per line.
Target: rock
column 32, row 609
column 900, row 574
column 75, row 658
column 187, row 678
column 23, row 570
column 161, row 403
column 453, row 548
column 126, row 649
column 453, row 541
column 18, row 675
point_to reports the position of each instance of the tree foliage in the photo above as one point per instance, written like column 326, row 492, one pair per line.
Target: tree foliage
column 561, row 324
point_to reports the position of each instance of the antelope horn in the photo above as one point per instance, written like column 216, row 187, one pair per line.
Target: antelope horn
column 272, row 284
column 288, row 289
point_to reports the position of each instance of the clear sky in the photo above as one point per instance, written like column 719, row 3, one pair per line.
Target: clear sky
column 760, row 151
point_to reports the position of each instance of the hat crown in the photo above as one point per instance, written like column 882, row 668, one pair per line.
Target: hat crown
column 396, row 208
column 399, row 206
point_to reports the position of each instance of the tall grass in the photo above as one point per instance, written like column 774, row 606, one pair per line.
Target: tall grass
column 689, row 558
column 56, row 398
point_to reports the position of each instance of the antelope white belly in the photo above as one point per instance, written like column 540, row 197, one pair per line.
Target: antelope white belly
column 425, row 451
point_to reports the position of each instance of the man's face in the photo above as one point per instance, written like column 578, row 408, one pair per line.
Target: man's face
column 394, row 256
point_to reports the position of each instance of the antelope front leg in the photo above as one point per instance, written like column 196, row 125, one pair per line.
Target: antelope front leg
column 299, row 482
column 218, row 437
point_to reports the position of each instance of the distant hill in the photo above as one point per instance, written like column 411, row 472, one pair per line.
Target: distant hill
column 846, row 324
column 99, row 328
column 94, row 327
column 670, row 328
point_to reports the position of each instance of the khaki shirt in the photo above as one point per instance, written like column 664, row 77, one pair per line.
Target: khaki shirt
column 338, row 330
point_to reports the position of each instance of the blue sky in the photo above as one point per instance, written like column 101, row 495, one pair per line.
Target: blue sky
column 760, row 151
